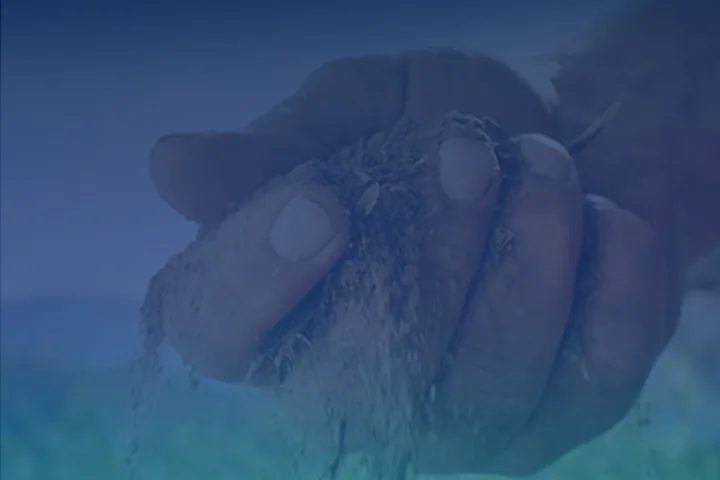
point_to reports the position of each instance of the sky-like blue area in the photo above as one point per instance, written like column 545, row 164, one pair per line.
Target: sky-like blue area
column 87, row 86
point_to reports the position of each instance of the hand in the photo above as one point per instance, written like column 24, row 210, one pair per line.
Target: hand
column 555, row 341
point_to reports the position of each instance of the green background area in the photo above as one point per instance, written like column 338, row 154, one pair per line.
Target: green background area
column 58, row 426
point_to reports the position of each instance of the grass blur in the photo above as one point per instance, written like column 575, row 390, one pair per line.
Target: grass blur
column 60, row 427
column 56, row 425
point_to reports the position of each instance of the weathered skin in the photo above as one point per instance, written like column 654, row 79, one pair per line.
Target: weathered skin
column 657, row 158
column 359, row 356
column 659, row 60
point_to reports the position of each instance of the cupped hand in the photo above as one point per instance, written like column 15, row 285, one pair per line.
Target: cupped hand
column 554, row 340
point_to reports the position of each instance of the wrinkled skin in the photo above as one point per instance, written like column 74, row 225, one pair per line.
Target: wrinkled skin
column 555, row 343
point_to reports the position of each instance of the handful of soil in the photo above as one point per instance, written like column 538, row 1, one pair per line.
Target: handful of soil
column 357, row 358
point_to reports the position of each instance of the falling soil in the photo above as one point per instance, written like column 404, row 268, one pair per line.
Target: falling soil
column 356, row 360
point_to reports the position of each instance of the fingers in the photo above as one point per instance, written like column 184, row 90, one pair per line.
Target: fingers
column 338, row 104
column 468, row 177
column 442, row 79
column 343, row 101
column 235, row 285
column 504, row 348
column 621, row 323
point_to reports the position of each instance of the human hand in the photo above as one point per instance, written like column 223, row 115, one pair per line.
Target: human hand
column 553, row 343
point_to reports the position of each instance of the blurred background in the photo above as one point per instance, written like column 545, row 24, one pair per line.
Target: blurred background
column 87, row 87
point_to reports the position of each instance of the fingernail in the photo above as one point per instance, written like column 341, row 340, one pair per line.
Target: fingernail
column 600, row 203
column 466, row 168
column 301, row 230
column 546, row 156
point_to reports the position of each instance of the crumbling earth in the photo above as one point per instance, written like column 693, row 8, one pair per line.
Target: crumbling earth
column 358, row 358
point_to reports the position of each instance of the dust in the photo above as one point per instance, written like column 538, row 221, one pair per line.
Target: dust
column 357, row 359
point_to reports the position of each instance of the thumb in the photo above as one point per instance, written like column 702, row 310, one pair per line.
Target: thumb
column 224, row 294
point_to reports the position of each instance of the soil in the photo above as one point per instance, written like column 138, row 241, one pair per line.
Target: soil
column 355, row 360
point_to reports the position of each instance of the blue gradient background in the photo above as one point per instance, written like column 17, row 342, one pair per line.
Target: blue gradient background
column 87, row 87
